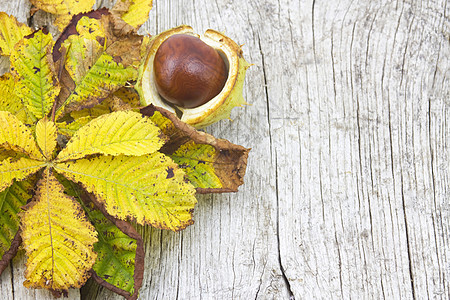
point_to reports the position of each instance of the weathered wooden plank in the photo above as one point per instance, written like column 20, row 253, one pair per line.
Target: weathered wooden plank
column 361, row 221
column 347, row 187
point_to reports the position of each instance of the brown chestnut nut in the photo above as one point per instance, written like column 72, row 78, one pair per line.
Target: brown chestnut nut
column 188, row 72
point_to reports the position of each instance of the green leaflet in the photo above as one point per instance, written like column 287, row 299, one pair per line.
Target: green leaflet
column 11, row 201
column 197, row 161
column 32, row 64
column 115, row 252
column 95, row 73
column 102, row 78
column 150, row 189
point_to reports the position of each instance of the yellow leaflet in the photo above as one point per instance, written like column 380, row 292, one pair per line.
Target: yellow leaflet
column 123, row 132
column 17, row 136
column 63, row 9
column 9, row 100
column 134, row 12
column 32, row 64
column 149, row 189
column 197, row 160
column 11, row 31
column 90, row 28
column 46, row 137
column 57, row 238
column 11, row 169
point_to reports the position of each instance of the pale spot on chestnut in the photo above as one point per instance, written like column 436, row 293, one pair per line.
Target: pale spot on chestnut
column 188, row 72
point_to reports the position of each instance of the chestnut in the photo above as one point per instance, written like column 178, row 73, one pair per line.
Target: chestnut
column 203, row 75
column 188, row 72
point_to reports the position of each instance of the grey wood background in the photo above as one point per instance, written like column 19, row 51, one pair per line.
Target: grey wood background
column 347, row 187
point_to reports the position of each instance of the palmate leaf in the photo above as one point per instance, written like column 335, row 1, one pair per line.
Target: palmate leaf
column 46, row 136
column 97, row 62
column 11, row 201
column 15, row 136
column 10, row 102
column 57, row 238
column 212, row 165
column 11, row 31
column 134, row 12
column 149, row 188
column 123, row 132
column 63, row 9
column 32, row 64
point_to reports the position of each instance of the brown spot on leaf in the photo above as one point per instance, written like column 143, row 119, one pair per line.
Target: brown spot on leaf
column 170, row 173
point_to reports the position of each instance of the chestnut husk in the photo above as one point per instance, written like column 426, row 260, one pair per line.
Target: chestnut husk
column 217, row 108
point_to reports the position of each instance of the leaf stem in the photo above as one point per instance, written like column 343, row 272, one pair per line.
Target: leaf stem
column 61, row 67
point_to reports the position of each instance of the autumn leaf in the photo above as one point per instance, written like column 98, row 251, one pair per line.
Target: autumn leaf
column 60, row 253
column 46, row 137
column 211, row 165
column 100, row 57
column 116, row 252
column 63, row 9
column 11, row 31
column 134, row 12
column 32, row 64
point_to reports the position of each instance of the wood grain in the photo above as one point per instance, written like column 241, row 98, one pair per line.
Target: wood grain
column 347, row 187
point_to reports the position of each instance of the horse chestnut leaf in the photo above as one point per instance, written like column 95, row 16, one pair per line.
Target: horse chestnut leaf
column 188, row 72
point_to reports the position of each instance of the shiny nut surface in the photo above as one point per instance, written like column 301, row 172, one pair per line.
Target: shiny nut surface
column 188, row 72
